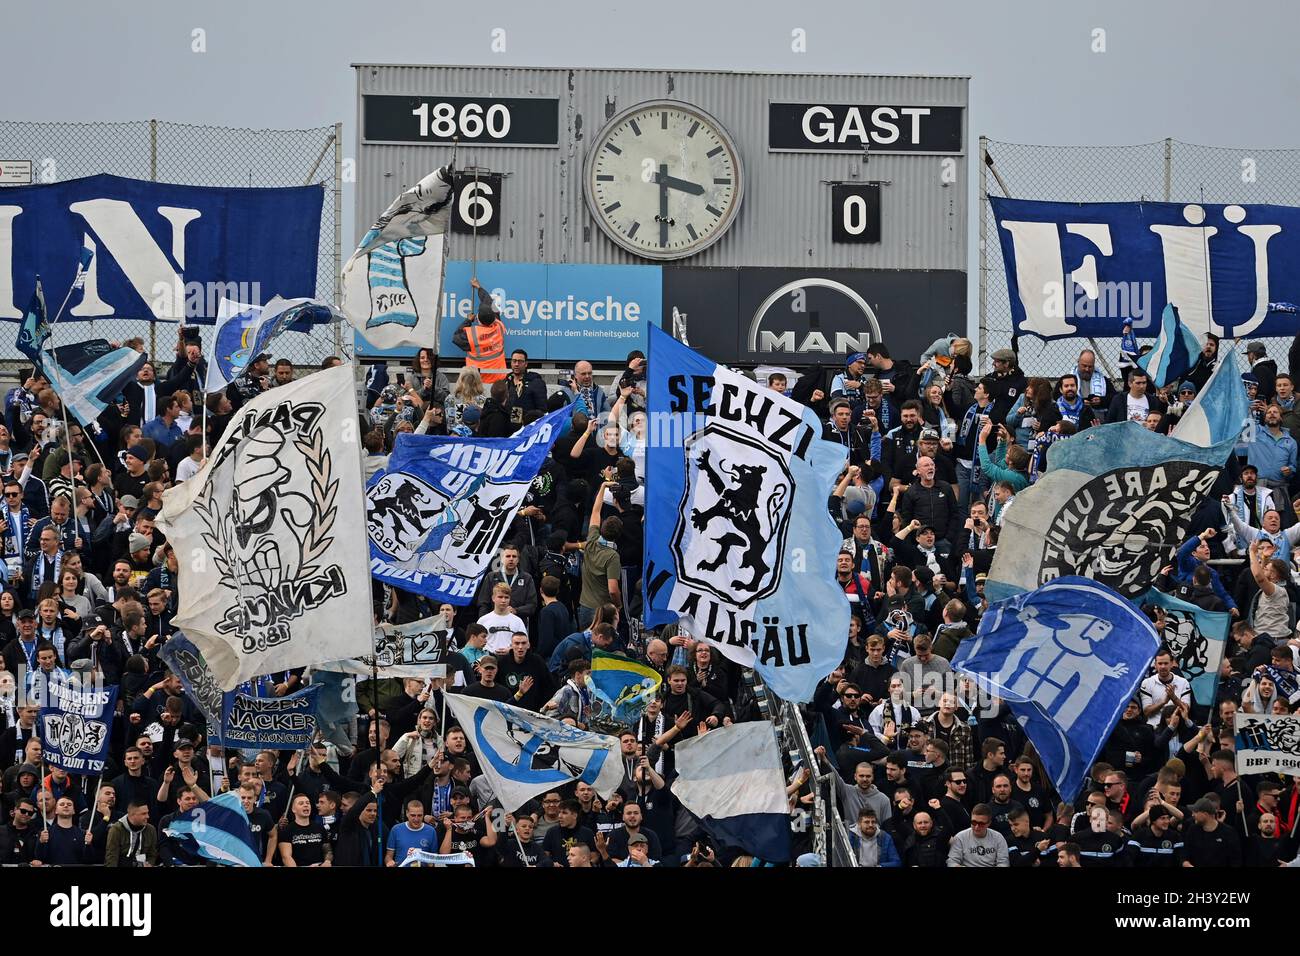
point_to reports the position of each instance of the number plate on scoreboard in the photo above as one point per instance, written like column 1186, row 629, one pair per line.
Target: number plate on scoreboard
column 485, row 121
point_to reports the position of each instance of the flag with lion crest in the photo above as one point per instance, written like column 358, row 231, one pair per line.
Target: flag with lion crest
column 270, row 536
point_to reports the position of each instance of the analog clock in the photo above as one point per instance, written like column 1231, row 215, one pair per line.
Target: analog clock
column 664, row 179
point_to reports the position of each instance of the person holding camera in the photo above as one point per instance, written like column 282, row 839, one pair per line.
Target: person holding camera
column 190, row 370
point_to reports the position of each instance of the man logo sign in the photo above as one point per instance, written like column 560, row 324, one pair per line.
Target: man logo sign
column 807, row 339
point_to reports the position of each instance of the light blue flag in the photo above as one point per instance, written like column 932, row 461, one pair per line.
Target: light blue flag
column 1175, row 351
column 523, row 753
column 1196, row 638
column 217, row 830
column 244, row 332
column 1116, row 499
column 88, row 375
column 739, row 545
column 83, row 263
column 1067, row 659
column 437, row 516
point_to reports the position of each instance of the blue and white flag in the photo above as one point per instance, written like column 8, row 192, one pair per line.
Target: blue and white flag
column 732, row 779
column 1268, row 743
column 1116, row 499
column 88, row 375
column 76, row 723
column 739, row 547
column 244, row 332
column 1175, row 351
column 438, row 515
column 524, row 754
column 418, row 649
column 34, row 331
column 83, row 263
column 425, row 858
column 217, row 830
column 1219, row 412
column 1196, row 638
column 392, row 284
column 1067, row 658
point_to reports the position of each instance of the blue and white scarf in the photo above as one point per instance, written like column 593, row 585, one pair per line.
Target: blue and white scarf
column 1238, row 504
column 1070, row 412
column 38, row 571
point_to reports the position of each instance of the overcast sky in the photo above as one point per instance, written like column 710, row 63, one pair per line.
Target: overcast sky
column 1213, row 73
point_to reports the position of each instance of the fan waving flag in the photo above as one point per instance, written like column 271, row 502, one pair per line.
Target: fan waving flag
column 1175, row 351
column 34, row 331
column 731, row 779
column 1067, row 658
column 524, row 754
column 740, row 549
column 244, row 332
column 274, row 526
column 217, row 830
column 392, row 284
column 1116, row 499
column 88, row 375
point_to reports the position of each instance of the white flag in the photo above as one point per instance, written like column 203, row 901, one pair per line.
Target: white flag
column 270, row 536
column 524, row 754
column 392, row 284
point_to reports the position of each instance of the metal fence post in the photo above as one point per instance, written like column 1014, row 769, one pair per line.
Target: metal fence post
column 153, row 177
column 1169, row 166
column 338, row 232
column 984, row 255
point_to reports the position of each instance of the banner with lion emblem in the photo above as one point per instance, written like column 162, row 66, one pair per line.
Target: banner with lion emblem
column 271, row 535
column 740, row 548
column 1268, row 744
column 438, row 515
column 76, row 723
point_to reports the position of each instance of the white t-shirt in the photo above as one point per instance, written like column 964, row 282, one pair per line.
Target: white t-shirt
column 1152, row 690
column 1137, row 408
column 500, row 628
column 187, row 469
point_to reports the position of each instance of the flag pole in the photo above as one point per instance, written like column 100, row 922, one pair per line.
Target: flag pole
column 442, row 276
column 63, row 405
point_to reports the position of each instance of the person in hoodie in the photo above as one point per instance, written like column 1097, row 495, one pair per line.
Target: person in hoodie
column 897, row 377
column 838, row 428
column 1132, row 744
column 1194, row 553
column 872, row 845
column 862, row 795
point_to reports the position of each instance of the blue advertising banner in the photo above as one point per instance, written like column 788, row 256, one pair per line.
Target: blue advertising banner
column 76, row 723
column 440, row 511
column 554, row 311
column 161, row 251
column 1082, row 269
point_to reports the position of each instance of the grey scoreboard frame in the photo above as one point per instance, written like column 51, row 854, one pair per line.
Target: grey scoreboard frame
column 784, row 220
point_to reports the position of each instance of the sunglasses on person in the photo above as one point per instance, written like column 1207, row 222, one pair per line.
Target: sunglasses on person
column 24, row 811
column 852, row 696
column 959, row 783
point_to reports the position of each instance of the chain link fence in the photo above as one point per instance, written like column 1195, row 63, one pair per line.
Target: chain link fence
column 1166, row 170
column 194, row 156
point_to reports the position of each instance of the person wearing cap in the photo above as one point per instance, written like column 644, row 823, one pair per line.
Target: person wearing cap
column 1248, row 501
column 483, row 338
column 131, row 481
column 1128, row 346
column 486, row 687
column 1263, row 368
column 164, row 430
column 638, row 852
column 848, row 384
column 1251, row 384
column 1207, row 842
column 1007, row 382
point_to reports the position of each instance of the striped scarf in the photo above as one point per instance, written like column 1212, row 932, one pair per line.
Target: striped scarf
column 1070, row 412
column 38, row 570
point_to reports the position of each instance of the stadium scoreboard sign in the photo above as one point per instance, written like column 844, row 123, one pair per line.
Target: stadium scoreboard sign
column 789, row 217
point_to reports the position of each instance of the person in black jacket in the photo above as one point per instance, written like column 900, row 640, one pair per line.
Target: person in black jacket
column 1131, row 744
column 525, row 390
column 358, row 838
column 928, row 844
column 1007, row 384
column 681, row 699
column 1141, row 392
column 525, row 675
column 1264, row 369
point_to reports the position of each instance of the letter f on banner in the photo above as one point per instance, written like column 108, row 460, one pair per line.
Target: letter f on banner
column 1042, row 282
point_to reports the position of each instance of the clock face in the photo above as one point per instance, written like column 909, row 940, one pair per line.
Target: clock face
column 664, row 180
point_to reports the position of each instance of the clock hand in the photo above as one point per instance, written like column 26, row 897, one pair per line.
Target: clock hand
column 681, row 185
column 663, row 203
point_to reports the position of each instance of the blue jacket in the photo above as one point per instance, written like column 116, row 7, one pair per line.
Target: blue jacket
column 580, row 640
column 1188, row 562
column 888, row 852
column 1269, row 455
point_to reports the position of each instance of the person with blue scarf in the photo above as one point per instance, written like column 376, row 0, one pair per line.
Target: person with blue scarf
column 1270, row 530
column 968, row 432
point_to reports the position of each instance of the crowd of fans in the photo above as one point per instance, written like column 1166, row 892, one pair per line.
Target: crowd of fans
column 923, row 771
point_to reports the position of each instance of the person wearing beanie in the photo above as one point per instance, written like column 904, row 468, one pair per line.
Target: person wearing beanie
column 132, row 480
column 848, row 384
column 1263, row 368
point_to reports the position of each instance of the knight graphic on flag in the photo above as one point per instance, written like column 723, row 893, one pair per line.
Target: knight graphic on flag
column 1067, row 659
